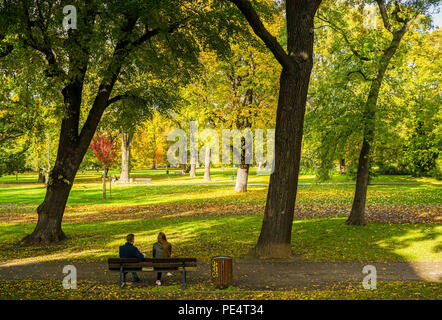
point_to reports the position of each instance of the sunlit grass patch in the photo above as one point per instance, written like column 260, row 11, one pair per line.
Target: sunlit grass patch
column 91, row 194
column 324, row 239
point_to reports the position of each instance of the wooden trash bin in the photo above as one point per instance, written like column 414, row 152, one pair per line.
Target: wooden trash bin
column 221, row 271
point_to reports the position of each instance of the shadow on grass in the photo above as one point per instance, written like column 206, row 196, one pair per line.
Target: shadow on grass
column 325, row 239
column 328, row 248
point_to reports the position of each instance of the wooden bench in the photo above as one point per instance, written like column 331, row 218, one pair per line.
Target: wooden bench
column 124, row 265
column 143, row 179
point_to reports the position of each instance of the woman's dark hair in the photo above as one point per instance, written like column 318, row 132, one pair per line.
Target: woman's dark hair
column 162, row 237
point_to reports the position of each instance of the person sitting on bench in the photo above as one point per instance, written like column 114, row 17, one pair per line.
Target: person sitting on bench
column 130, row 251
column 161, row 249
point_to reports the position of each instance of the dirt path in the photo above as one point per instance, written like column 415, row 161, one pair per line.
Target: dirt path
column 247, row 274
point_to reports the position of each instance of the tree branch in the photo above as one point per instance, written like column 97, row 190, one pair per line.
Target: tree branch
column 45, row 49
column 269, row 40
column 125, row 96
column 384, row 15
column 344, row 36
column 123, row 48
column 361, row 73
column 148, row 34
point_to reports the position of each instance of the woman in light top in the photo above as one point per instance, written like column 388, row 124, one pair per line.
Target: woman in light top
column 161, row 249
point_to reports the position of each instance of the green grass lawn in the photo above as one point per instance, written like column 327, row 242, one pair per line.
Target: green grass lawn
column 96, row 234
column 315, row 239
column 178, row 191
column 218, row 175
column 326, row 239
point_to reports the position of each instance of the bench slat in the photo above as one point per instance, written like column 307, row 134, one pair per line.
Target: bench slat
column 134, row 264
column 167, row 265
column 170, row 260
column 152, row 260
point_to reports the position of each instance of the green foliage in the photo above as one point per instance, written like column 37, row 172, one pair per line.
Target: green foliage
column 12, row 161
column 347, row 59
column 421, row 152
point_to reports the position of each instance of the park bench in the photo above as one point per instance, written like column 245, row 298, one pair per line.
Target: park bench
column 143, row 179
column 124, row 265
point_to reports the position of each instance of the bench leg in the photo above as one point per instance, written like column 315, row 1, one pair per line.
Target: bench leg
column 122, row 278
column 183, row 279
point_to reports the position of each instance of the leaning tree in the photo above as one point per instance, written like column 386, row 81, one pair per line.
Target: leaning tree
column 91, row 62
column 371, row 53
column 397, row 17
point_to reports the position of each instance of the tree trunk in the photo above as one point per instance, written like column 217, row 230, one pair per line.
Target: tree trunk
column 71, row 149
column 48, row 159
column 275, row 237
column 183, row 169
column 126, row 141
column 207, row 165
column 357, row 211
column 358, row 208
column 104, row 182
column 342, row 166
column 242, row 177
column 50, row 212
column 192, row 170
column 41, row 175
column 73, row 143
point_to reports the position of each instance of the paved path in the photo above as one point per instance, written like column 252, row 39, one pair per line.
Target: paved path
column 247, row 274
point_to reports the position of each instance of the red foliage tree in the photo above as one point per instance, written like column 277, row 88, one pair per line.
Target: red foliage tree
column 106, row 150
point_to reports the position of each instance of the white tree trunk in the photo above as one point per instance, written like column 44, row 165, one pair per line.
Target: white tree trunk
column 207, row 165
column 125, row 157
column 242, row 177
column 192, row 170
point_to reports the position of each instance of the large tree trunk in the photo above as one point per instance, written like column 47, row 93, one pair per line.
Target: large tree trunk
column 50, row 212
column 69, row 156
column 358, row 208
column 275, row 237
column 73, row 144
column 192, row 170
column 207, row 165
column 126, row 141
column 71, row 150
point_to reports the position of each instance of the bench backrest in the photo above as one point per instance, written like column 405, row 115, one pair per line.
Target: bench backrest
column 138, row 264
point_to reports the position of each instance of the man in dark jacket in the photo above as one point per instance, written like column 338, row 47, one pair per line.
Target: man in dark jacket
column 130, row 251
